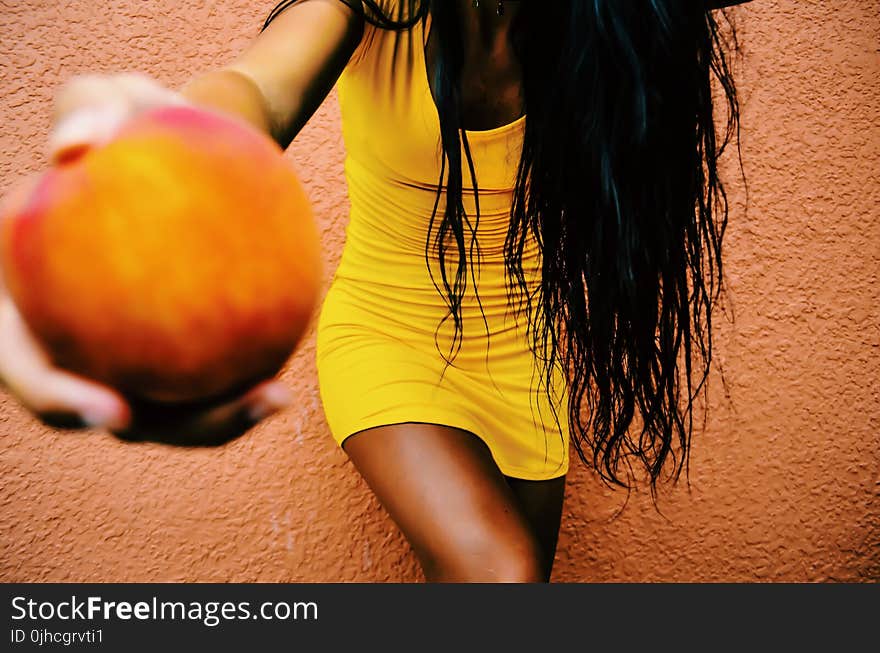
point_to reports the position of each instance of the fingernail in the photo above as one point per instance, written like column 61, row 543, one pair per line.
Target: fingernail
column 101, row 417
column 84, row 128
column 277, row 394
column 272, row 399
column 260, row 411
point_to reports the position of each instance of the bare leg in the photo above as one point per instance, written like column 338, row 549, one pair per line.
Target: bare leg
column 455, row 507
column 541, row 503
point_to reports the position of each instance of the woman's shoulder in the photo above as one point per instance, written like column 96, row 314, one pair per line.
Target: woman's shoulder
column 383, row 19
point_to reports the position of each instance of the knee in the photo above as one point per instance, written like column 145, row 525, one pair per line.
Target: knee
column 518, row 567
column 488, row 559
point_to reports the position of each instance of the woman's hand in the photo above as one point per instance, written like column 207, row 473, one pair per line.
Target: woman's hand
column 89, row 110
column 65, row 400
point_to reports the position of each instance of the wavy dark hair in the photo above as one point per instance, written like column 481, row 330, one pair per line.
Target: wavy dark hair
column 618, row 182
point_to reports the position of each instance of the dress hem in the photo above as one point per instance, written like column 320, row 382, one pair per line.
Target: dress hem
column 512, row 471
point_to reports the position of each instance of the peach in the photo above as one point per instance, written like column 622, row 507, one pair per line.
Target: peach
column 178, row 262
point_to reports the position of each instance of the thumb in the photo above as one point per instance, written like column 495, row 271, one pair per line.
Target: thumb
column 86, row 111
column 86, row 127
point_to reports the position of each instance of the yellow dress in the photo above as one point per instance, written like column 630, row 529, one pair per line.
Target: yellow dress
column 377, row 359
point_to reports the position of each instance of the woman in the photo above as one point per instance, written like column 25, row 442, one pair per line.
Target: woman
column 535, row 240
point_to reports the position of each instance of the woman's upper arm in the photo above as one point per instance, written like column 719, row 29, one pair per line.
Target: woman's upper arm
column 297, row 59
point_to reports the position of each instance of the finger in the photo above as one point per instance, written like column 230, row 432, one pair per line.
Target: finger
column 183, row 425
column 87, row 109
column 57, row 397
column 266, row 399
column 257, row 404
column 83, row 91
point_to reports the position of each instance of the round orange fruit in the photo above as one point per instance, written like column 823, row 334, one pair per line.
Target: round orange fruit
column 178, row 262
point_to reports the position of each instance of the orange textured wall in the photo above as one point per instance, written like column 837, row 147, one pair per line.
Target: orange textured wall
column 785, row 480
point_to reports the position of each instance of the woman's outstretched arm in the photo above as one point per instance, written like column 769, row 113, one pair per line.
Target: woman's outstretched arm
column 279, row 81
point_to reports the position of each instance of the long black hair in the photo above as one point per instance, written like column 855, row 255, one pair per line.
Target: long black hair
column 618, row 183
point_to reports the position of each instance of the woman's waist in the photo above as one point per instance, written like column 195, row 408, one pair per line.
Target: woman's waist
column 420, row 319
column 405, row 291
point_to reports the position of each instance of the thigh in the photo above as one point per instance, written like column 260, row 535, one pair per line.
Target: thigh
column 541, row 504
column 445, row 492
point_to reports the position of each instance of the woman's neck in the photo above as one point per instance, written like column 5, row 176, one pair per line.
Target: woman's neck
column 490, row 83
column 482, row 26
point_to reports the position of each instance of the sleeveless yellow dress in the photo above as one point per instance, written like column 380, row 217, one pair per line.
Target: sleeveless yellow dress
column 377, row 358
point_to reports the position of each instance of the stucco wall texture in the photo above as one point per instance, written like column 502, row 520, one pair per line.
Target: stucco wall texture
column 784, row 480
